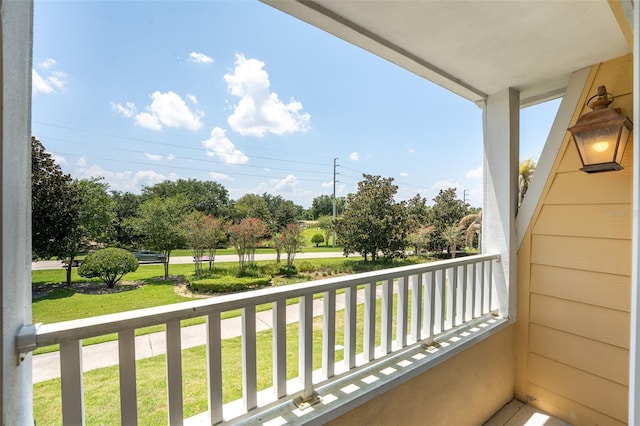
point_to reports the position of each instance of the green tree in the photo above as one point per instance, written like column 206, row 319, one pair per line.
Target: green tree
column 159, row 221
column 283, row 212
column 292, row 241
column 323, row 206
column 203, row 233
column 96, row 215
column 109, row 264
column 126, row 207
column 317, row 239
column 525, row 173
column 207, row 197
column 251, row 206
column 452, row 235
column 245, row 236
column 373, row 222
column 471, row 226
column 53, row 204
column 420, row 238
column 446, row 211
column 326, row 224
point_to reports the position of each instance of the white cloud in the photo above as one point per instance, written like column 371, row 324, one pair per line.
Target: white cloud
column 200, row 58
column 158, row 157
column 168, row 110
column 404, row 174
column 125, row 181
column 219, row 176
column 288, row 184
column 47, row 63
column 259, row 110
column 59, row 160
column 411, row 151
column 128, row 109
column 192, row 98
column 445, row 184
column 354, row 156
column 39, row 84
column 48, row 82
column 218, row 145
column 82, row 162
column 474, row 173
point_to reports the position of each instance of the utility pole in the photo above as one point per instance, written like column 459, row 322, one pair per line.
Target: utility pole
column 464, row 195
column 333, row 222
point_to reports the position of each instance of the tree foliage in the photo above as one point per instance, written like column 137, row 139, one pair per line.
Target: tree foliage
column 245, row 236
column 159, row 221
column 203, row 233
column 109, row 264
column 292, row 242
column 96, row 215
column 317, row 239
column 323, row 206
column 207, row 197
column 283, row 212
column 525, row 173
column 373, row 222
column 446, row 211
column 53, row 204
column 326, row 224
column 126, row 206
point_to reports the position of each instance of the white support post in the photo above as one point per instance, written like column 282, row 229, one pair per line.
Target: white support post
column 634, row 353
column 16, row 403
column 501, row 150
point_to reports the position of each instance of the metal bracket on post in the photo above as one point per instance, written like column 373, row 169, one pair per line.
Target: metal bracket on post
column 304, row 404
column 26, row 341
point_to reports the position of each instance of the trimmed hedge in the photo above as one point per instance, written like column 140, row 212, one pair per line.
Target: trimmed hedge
column 228, row 284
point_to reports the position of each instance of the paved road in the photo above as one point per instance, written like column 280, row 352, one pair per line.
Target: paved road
column 56, row 264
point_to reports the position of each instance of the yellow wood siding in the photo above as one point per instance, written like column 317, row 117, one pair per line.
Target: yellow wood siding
column 574, row 268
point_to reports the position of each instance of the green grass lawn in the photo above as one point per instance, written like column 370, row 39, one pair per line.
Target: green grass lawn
column 102, row 385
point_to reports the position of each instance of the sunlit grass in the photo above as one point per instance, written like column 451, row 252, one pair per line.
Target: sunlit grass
column 102, row 385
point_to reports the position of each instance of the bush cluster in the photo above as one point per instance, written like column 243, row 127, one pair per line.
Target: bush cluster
column 109, row 264
column 228, row 283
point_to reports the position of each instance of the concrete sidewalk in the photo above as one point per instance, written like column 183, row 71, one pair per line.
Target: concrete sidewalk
column 47, row 366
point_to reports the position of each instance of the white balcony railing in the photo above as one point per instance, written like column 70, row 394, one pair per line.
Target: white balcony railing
column 428, row 299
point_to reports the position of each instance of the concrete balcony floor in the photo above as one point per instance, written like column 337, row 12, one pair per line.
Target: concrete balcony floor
column 517, row 413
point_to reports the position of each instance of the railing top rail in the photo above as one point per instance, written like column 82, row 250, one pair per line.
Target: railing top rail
column 49, row 334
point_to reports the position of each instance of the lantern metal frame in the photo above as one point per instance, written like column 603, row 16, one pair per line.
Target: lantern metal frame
column 601, row 134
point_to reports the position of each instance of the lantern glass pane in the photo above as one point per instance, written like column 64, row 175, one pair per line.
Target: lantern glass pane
column 624, row 138
column 597, row 145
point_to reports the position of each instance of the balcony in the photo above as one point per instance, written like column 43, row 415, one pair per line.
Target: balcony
column 405, row 320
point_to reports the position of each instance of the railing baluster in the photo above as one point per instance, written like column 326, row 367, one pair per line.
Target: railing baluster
column 387, row 314
column 72, row 386
column 490, row 286
column 174, row 372
column 416, row 306
column 465, row 293
column 481, row 310
column 329, row 333
column 439, row 305
column 474, row 288
column 249, row 366
column 306, row 346
column 430, row 305
column 279, row 316
column 460, row 288
column 450, row 295
column 127, row 370
column 350, row 303
column 214, row 367
column 402, row 311
column 369, row 344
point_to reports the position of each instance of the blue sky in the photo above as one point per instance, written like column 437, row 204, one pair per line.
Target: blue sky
column 240, row 93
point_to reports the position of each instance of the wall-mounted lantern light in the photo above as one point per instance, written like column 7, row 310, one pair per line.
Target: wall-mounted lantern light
column 601, row 135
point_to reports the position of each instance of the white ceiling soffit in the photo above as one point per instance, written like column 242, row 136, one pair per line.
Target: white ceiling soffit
column 476, row 48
